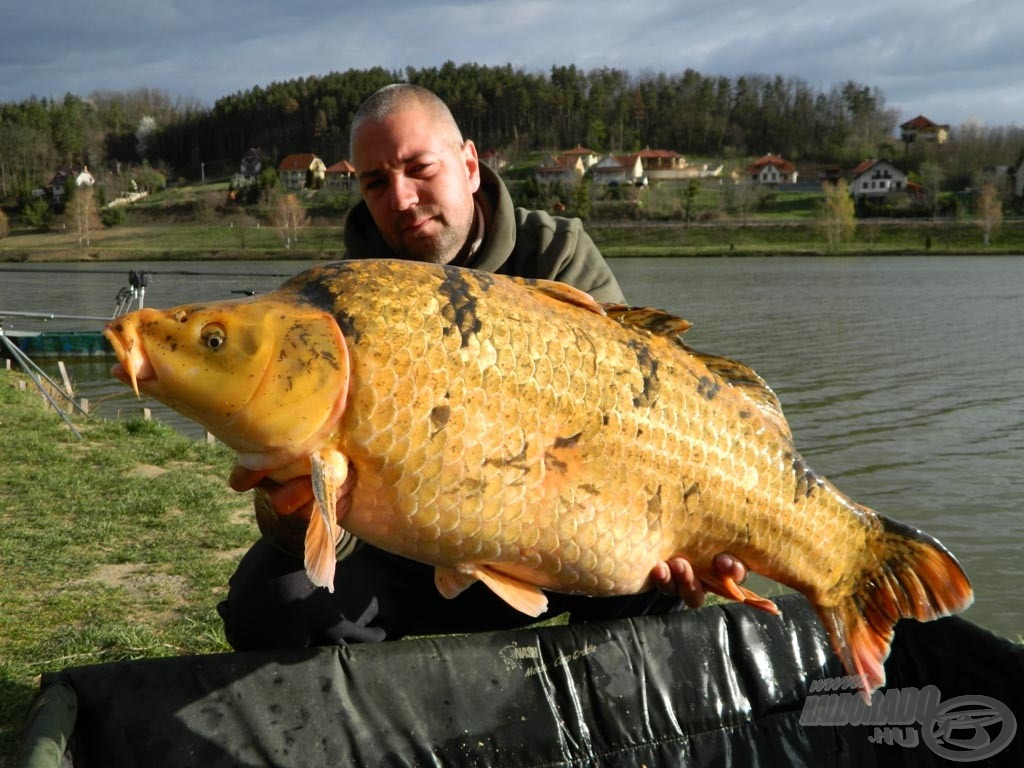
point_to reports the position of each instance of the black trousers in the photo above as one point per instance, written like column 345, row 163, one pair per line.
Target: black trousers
column 379, row 596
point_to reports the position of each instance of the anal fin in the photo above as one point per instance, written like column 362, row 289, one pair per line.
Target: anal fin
column 728, row 588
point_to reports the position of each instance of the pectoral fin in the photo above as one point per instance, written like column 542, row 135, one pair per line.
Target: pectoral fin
column 524, row 597
column 328, row 471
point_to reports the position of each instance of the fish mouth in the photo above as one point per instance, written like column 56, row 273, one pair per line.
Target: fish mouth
column 132, row 366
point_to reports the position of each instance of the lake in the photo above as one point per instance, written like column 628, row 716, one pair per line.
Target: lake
column 902, row 377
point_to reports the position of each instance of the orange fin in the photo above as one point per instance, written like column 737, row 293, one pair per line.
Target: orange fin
column 328, row 472
column 728, row 588
column 915, row 577
column 562, row 292
column 657, row 321
column 450, row 582
column 524, row 597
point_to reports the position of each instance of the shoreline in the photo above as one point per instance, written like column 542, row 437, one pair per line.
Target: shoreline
column 101, row 256
column 615, row 239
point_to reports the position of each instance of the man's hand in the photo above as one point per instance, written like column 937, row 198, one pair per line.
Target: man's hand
column 675, row 576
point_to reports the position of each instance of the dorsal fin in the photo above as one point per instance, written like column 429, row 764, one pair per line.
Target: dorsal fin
column 656, row 321
column 660, row 322
column 749, row 382
column 561, row 292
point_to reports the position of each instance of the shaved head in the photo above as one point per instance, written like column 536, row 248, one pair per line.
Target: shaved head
column 401, row 97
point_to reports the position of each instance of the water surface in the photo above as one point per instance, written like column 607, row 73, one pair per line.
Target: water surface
column 902, row 378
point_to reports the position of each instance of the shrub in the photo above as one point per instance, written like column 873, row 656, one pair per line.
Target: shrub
column 113, row 217
column 37, row 214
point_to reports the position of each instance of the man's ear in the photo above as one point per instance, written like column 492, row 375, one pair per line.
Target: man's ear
column 472, row 161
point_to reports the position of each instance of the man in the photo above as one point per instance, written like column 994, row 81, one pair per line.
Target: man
column 426, row 197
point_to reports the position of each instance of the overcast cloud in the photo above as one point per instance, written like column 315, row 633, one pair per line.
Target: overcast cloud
column 952, row 60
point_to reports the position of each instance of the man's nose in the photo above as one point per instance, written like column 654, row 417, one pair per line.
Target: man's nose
column 403, row 193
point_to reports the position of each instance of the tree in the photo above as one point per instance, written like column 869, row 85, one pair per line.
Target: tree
column 932, row 177
column 837, row 215
column 82, row 214
column 989, row 211
column 5, row 227
column 689, row 200
column 581, row 198
column 289, row 217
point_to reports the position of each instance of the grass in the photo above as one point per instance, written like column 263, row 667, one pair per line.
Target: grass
column 168, row 226
column 117, row 546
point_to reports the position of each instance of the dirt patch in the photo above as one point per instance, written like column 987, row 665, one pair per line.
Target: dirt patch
column 148, row 471
column 136, row 577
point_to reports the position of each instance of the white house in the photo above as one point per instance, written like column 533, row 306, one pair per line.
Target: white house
column 618, row 169
column 772, row 169
column 80, row 177
column 877, row 178
column 293, row 170
column 566, row 169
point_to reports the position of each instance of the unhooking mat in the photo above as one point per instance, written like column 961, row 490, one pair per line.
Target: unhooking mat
column 725, row 686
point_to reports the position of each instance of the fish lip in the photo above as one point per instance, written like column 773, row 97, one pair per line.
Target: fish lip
column 133, row 365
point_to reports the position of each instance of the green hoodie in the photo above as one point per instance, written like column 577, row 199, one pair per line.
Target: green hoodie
column 517, row 241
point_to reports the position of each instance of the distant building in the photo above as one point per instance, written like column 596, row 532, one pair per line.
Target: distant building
column 492, row 159
column 340, row 176
column 568, row 169
column 923, row 129
column 78, row 176
column 250, row 167
column 618, row 169
column 293, row 170
column 877, row 178
column 772, row 169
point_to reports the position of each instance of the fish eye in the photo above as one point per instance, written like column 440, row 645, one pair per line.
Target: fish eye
column 213, row 336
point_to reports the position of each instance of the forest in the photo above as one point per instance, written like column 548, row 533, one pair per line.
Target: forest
column 503, row 107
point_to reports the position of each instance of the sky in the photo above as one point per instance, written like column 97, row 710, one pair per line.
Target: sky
column 955, row 61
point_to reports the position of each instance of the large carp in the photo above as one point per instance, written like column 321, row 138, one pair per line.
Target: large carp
column 518, row 433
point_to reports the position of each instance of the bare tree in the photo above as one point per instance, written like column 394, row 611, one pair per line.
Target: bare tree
column 989, row 212
column 838, row 215
column 82, row 213
column 289, row 217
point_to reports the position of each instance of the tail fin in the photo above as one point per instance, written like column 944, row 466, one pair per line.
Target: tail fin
column 914, row 577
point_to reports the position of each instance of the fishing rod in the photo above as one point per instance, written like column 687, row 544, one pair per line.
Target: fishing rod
column 35, row 373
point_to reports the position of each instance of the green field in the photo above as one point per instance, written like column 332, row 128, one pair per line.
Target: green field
column 117, row 546
column 196, row 223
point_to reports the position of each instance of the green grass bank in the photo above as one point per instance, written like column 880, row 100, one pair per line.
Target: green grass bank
column 117, row 546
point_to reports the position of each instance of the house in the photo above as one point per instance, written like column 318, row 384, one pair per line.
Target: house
column 772, row 169
column 293, row 170
column 877, row 178
column 588, row 157
column 568, row 169
column 924, row 129
column 618, row 169
column 493, row 160
column 79, row 176
column 1017, row 175
column 250, row 167
column 341, row 176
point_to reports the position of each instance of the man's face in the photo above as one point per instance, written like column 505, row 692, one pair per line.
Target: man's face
column 418, row 185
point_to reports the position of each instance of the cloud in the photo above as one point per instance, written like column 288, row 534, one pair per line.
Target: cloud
column 949, row 58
